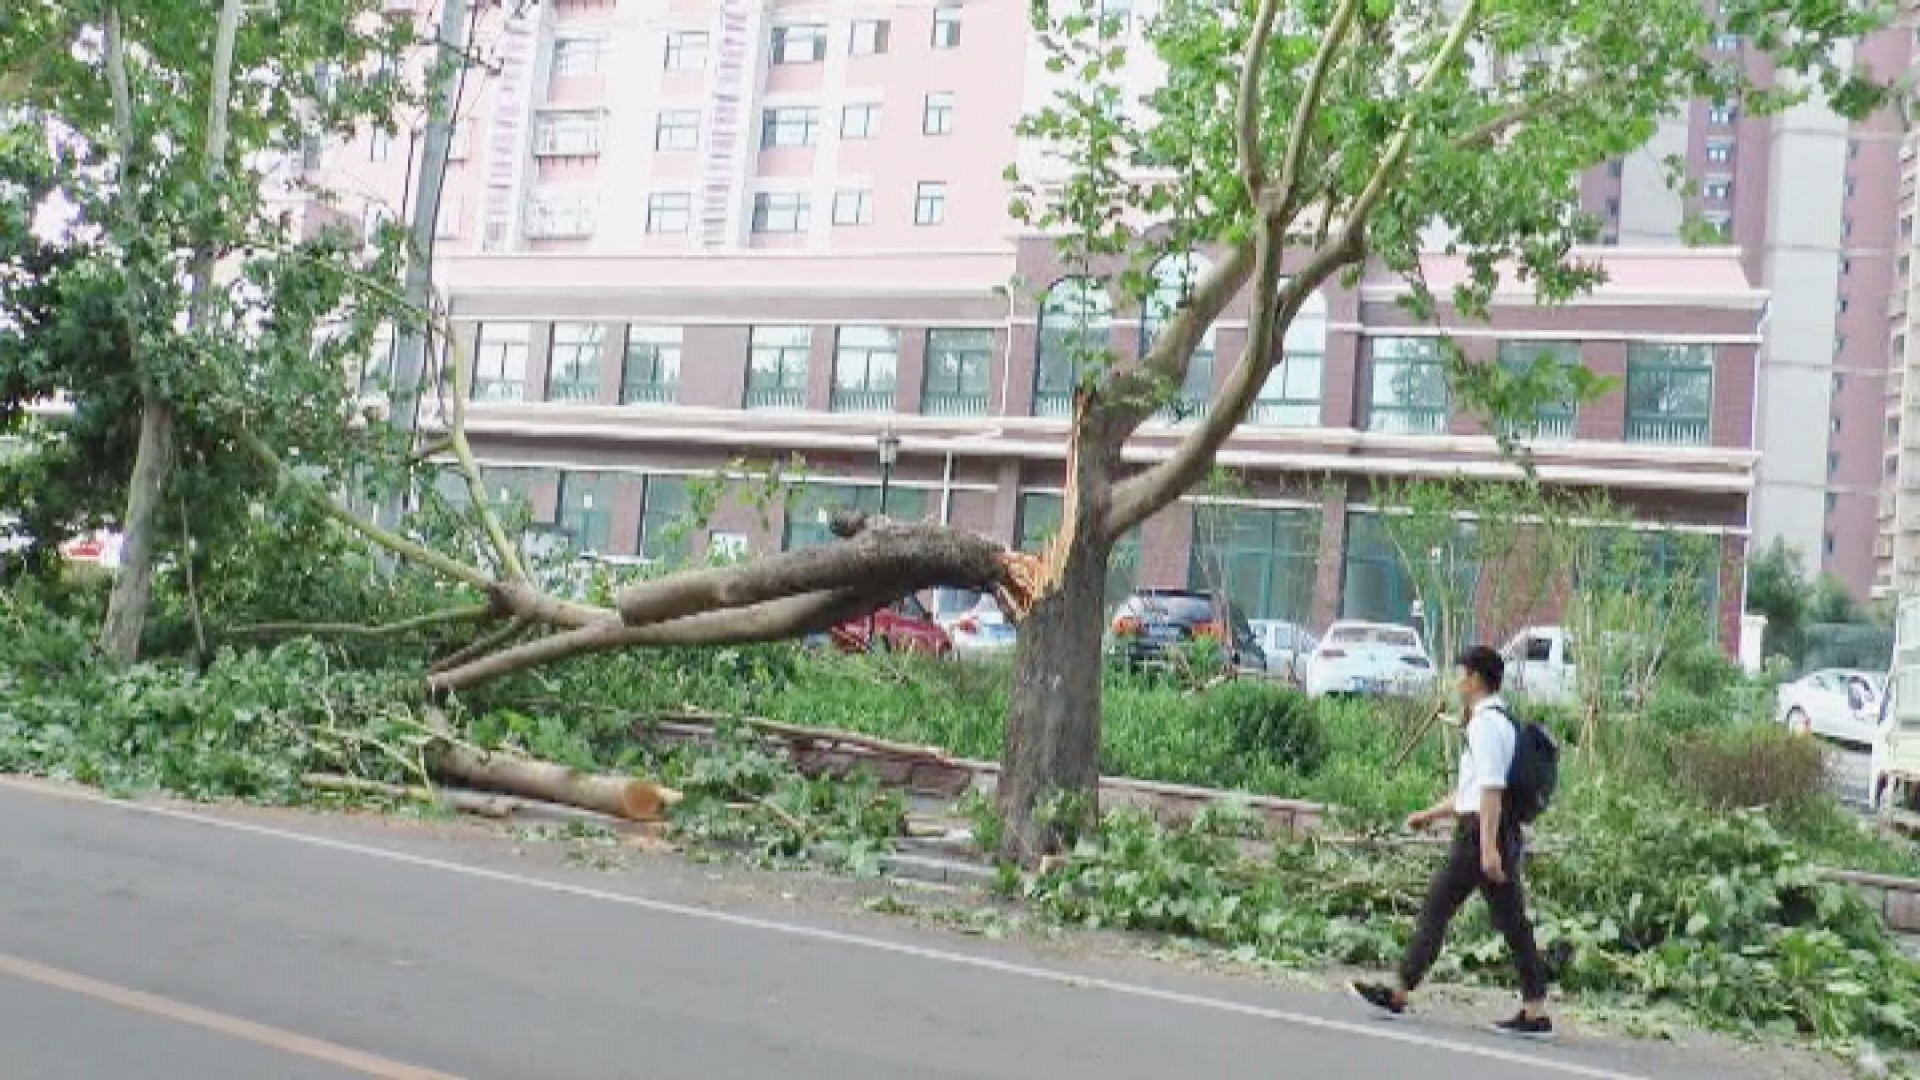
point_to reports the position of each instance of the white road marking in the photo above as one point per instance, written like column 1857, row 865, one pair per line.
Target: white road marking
column 798, row 930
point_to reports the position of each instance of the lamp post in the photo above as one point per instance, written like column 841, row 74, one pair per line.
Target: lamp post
column 889, row 450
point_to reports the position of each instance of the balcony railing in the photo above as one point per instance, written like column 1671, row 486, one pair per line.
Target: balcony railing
column 1052, row 403
column 861, row 401
column 939, row 404
column 1184, row 411
column 1667, row 431
column 776, row 398
column 488, row 391
column 1408, row 421
column 1548, row 428
column 649, row 394
column 573, row 392
column 1284, row 414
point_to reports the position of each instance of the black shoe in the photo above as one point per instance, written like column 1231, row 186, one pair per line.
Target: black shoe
column 1526, row 1027
column 1380, row 996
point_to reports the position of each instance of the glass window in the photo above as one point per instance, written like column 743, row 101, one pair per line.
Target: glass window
column 1669, row 394
column 500, row 362
column 805, row 43
column 1265, row 559
column 577, row 56
column 1291, row 395
column 562, row 217
column 930, row 204
column 946, row 28
column 959, row 365
column 1409, row 387
column 937, row 119
column 1075, row 319
column 1719, row 151
column 869, row 37
column 669, row 212
column 515, row 489
column 777, row 369
column 665, row 518
column 679, row 129
column 865, row 363
column 781, row 212
column 1376, row 585
column 650, row 374
column 586, row 510
column 568, row 134
column 1552, row 421
column 1174, row 279
column 573, row 369
column 789, row 127
column 686, row 50
column 860, row 121
column 853, row 207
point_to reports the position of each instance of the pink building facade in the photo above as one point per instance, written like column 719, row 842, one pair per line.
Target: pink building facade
column 684, row 239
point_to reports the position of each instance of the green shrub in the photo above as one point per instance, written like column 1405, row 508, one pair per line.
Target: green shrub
column 1268, row 721
column 1759, row 766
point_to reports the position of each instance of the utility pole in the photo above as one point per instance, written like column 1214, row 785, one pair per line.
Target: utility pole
column 409, row 357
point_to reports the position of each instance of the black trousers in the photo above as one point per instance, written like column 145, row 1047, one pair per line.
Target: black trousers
column 1456, row 881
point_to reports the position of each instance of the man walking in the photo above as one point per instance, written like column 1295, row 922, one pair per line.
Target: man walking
column 1485, row 855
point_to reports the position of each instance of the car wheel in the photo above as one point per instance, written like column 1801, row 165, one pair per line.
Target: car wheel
column 1799, row 722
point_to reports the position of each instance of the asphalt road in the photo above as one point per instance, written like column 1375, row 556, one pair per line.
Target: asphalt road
column 158, row 943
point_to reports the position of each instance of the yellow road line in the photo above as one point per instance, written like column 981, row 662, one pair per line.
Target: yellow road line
column 233, row 1027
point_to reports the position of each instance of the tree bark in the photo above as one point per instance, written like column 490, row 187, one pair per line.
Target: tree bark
column 153, row 460
column 1052, row 744
column 615, row 796
column 133, row 579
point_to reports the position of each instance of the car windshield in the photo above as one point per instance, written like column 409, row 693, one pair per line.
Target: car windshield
column 1385, row 637
column 1177, row 608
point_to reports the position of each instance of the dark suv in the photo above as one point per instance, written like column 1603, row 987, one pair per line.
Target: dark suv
column 1153, row 621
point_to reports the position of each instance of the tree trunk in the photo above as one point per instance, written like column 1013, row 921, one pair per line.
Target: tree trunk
column 1053, row 710
column 133, row 580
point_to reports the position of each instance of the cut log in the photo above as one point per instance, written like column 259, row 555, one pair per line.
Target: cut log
column 465, row 802
column 616, row 796
column 802, row 733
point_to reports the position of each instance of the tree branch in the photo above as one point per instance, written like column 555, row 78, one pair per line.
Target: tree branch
column 469, row 613
column 777, row 620
column 1137, row 499
column 506, row 554
column 1391, row 161
column 391, row 541
column 1286, row 196
column 474, row 650
column 886, row 558
column 1253, row 168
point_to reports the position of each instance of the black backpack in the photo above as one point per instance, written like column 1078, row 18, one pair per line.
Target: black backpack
column 1534, row 774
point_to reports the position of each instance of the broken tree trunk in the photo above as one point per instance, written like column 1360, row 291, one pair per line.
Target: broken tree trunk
column 465, row 802
column 616, row 796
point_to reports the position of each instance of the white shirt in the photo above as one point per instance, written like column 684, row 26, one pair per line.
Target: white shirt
column 1487, row 756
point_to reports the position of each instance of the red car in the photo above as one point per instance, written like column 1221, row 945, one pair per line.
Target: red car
column 903, row 626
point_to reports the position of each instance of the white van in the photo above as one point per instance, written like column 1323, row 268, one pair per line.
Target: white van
column 1540, row 666
column 1894, row 776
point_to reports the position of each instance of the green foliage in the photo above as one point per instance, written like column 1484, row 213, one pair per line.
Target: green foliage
column 1639, row 899
column 1267, row 721
column 1755, row 765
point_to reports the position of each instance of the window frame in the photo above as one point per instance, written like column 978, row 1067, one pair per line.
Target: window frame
column 952, row 397
column 777, row 120
column 679, row 124
column 781, row 51
column 945, row 34
column 940, row 104
column 879, row 30
column 1422, row 353
column 790, row 349
column 869, row 128
column 584, row 353
column 489, row 379
column 661, row 363
column 862, row 203
column 661, row 205
column 792, row 208
column 1658, row 360
column 930, row 203
column 683, row 46
column 875, row 350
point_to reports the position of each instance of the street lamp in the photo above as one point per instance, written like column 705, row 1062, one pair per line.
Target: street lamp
column 889, row 448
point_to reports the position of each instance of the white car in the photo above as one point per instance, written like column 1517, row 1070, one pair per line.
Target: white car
column 981, row 630
column 1370, row 658
column 1288, row 647
column 1837, row 703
